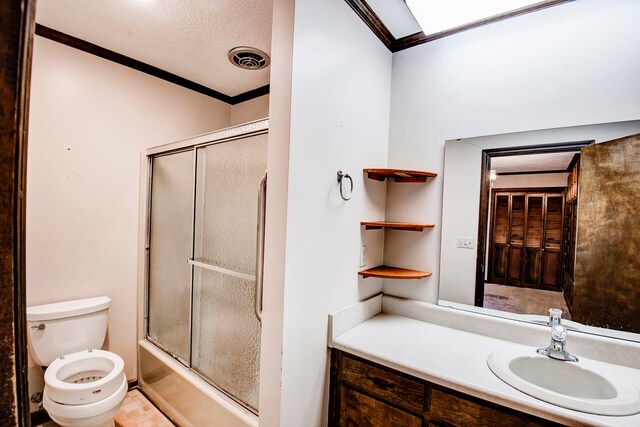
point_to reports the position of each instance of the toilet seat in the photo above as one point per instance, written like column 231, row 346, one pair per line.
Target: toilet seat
column 84, row 377
column 91, row 414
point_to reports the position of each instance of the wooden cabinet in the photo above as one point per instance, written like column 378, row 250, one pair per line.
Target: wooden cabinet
column 526, row 239
column 363, row 393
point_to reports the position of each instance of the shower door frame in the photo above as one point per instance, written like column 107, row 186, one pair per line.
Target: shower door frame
column 256, row 128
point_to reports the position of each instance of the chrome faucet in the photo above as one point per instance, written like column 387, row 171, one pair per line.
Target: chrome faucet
column 555, row 317
column 556, row 349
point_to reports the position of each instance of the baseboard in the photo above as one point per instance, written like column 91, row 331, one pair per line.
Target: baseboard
column 39, row 417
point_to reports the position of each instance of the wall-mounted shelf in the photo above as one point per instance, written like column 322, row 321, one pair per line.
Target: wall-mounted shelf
column 386, row 272
column 408, row 226
column 399, row 175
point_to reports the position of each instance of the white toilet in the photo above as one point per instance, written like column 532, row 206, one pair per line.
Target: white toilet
column 84, row 386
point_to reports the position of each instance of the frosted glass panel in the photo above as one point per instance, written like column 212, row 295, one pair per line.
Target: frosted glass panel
column 226, row 202
column 170, row 248
column 226, row 334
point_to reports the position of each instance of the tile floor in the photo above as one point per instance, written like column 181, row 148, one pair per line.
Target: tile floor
column 136, row 411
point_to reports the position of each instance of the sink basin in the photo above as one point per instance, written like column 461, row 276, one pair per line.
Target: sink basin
column 586, row 385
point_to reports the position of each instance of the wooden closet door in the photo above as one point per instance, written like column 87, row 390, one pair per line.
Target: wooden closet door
column 552, row 248
column 516, row 239
column 500, row 238
column 534, row 232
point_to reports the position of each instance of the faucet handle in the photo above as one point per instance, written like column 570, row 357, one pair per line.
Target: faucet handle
column 559, row 333
column 555, row 316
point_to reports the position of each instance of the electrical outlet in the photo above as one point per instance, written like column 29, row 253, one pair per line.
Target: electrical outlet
column 363, row 255
column 464, row 242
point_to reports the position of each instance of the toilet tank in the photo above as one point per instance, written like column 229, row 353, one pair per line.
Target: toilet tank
column 66, row 327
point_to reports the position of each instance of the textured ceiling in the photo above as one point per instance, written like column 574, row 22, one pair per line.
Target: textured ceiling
column 532, row 162
column 189, row 38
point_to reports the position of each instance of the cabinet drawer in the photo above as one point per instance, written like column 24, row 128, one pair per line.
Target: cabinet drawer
column 392, row 387
column 359, row 410
column 458, row 411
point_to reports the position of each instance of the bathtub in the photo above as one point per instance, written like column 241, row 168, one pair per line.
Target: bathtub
column 186, row 398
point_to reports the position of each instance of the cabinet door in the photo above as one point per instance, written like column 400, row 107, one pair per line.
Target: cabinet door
column 453, row 409
column 552, row 256
column 533, row 239
column 500, row 238
column 359, row 410
column 516, row 239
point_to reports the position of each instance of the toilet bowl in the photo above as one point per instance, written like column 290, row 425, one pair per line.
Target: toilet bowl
column 83, row 377
column 96, row 414
column 82, row 387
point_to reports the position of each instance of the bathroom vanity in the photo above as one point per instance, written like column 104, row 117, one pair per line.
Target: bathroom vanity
column 394, row 363
column 363, row 393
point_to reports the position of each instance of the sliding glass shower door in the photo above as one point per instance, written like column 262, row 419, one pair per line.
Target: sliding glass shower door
column 170, row 235
column 220, row 331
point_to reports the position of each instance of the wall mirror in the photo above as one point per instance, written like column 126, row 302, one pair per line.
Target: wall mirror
column 556, row 225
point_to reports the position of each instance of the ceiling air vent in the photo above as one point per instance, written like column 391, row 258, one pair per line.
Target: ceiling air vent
column 248, row 58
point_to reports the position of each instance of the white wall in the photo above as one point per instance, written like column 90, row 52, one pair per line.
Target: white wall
column 89, row 121
column 531, row 180
column 276, row 218
column 568, row 65
column 248, row 111
column 340, row 92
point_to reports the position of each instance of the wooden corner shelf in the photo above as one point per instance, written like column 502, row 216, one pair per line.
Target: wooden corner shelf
column 399, row 175
column 407, row 226
column 386, row 272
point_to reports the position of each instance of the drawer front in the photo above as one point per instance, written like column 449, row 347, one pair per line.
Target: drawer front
column 458, row 411
column 358, row 410
column 386, row 385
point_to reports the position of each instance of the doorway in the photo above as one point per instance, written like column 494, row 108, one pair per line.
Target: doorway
column 524, row 240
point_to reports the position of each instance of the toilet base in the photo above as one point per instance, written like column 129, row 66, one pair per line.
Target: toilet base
column 97, row 414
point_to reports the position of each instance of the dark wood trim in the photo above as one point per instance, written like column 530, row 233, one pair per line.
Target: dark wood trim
column 481, row 263
column 252, row 94
column 366, row 13
column 572, row 163
column 16, row 40
column 532, row 172
column 561, row 147
column 528, row 190
column 93, row 49
column 335, row 367
column 132, row 384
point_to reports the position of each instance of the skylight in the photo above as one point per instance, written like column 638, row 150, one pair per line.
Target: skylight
column 435, row 16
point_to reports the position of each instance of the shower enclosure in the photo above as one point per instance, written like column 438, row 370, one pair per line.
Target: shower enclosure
column 204, row 245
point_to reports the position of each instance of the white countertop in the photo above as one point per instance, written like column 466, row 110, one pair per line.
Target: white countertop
column 458, row 360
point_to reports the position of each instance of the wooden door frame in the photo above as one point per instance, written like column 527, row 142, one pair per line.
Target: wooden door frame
column 17, row 23
column 485, row 194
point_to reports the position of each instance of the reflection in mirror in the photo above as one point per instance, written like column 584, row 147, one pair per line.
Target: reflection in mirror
column 551, row 216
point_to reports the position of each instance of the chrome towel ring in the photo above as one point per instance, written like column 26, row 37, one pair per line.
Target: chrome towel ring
column 341, row 178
